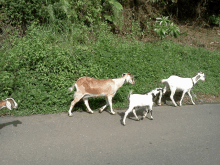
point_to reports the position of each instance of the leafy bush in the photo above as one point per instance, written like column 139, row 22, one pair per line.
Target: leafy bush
column 40, row 67
column 215, row 19
column 62, row 12
column 164, row 27
column 34, row 68
column 22, row 11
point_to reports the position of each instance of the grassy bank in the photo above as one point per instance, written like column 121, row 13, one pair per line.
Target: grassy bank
column 37, row 69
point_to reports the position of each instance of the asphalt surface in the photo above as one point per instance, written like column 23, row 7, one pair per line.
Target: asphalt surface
column 188, row 135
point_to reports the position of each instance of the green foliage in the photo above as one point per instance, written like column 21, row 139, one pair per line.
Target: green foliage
column 21, row 11
column 115, row 15
column 34, row 68
column 215, row 19
column 62, row 12
column 39, row 68
column 161, row 1
column 164, row 27
column 136, row 30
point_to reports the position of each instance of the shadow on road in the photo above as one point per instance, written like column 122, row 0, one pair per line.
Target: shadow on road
column 139, row 112
column 15, row 123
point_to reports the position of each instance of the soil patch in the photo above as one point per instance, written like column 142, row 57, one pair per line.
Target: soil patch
column 208, row 38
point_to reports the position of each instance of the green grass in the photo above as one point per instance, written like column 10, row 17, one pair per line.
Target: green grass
column 40, row 67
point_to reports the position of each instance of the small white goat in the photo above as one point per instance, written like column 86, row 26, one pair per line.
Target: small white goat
column 176, row 83
column 8, row 103
column 141, row 100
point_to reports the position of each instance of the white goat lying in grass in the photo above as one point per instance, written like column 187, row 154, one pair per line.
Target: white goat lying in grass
column 8, row 103
column 176, row 83
column 141, row 100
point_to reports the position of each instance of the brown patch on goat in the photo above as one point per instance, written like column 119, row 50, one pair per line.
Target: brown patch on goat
column 2, row 103
column 95, row 86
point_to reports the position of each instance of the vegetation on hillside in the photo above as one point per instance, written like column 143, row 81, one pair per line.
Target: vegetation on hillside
column 47, row 45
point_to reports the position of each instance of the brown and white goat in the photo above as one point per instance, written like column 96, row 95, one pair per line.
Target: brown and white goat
column 8, row 103
column 90, row 87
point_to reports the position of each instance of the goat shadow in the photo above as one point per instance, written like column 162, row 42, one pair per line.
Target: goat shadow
column 139, row 111
column 166, row 97
column 15, row 123
column 95, row 103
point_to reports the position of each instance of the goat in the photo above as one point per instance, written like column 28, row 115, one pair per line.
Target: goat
column 87, row 87
column 176, row 83
column 8, row 103
column 141, row 100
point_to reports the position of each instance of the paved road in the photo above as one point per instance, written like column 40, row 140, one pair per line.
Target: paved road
column 188, row 135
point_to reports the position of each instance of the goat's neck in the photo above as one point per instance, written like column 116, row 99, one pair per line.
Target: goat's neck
column 153, row 96
column 150, row 93
column 195, row 79
column 119, row 82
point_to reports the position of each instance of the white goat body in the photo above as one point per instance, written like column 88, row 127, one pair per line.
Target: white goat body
column 141, row 100
column 87, row 87
column 176, row 83
column 9, row 103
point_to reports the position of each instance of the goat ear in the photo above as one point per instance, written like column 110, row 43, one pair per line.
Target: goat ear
column 198, row 77
column 159, row 89
column 123, row 74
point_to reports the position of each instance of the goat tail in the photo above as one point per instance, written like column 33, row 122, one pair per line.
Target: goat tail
column 163, row 81
column 130, row 94
column 71, row 88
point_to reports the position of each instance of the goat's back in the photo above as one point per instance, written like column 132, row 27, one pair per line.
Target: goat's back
column 95, row 86
column 180, row 83
column 140, row 100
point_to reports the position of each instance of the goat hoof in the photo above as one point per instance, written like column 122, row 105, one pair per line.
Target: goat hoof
column 113, row 113
column 138, row 119
column 70, row 115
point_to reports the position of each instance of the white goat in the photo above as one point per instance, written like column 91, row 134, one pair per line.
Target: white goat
column 141, row 100
column 90, row 87
column 176, row 83
column 8, row 103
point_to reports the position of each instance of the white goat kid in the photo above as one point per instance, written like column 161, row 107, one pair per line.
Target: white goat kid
column 87, row 87
column 176, row 83
column 9, row 103
column 141, row 100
